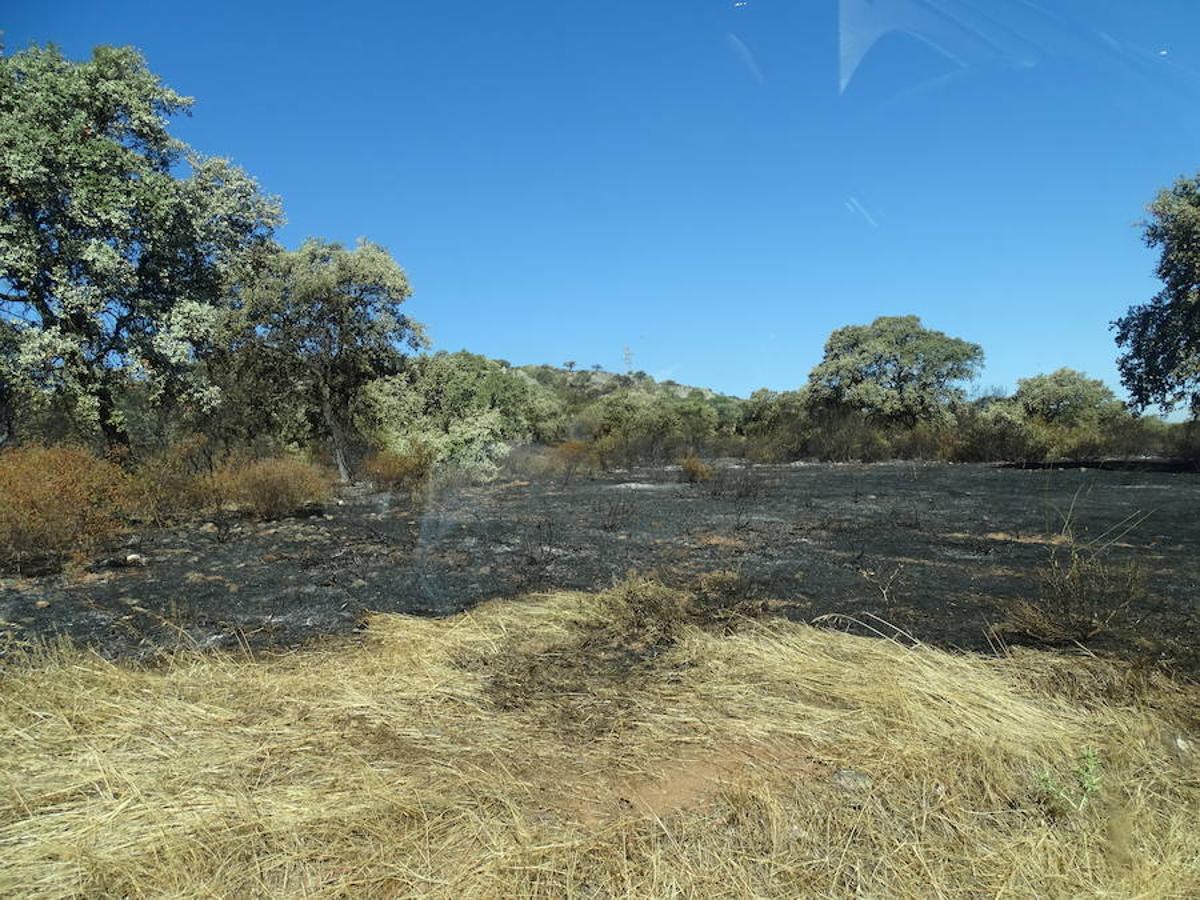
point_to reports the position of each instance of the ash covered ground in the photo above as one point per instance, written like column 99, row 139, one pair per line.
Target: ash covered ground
column 938, row 551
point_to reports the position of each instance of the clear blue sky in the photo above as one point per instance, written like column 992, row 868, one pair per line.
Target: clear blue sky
column 715, row 184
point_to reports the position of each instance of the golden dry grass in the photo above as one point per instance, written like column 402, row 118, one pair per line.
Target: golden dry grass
column 594, row 746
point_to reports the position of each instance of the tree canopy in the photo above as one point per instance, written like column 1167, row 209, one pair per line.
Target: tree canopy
column 116, row 240
column 1066, row 397
column 331, row 319
column 893, row 370
column 1160, row 339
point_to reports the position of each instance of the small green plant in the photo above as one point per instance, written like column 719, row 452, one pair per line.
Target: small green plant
column 1063, row 797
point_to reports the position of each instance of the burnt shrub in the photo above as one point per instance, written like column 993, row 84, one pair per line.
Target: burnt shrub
column 407, row 472
column 273, row 488
column 172, row 483
column 1080, row 595
column 695, row 470
column 56, row 502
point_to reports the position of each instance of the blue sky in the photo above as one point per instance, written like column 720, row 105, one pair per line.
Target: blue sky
column 715, row 185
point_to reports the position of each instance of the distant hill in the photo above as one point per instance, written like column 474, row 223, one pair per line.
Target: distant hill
column 590, row 384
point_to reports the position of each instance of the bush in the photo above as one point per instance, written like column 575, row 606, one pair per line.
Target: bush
column 570, row 456
column 1080, row 596
column 695, row 470
column 996, row 432
column 273, row 488
column 1185, row 441
column 406, row 472
column 172, row 483
column 57, row 501
column 847, row 436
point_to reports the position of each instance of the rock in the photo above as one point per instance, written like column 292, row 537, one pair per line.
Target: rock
column 209, row 528
column 42, row 604
column 852, row 781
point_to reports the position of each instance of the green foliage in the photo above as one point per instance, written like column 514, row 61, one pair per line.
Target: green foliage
column 466, row 407
column 777, row 425
column 109, row 260
column 330, row 321
column 1067, row 398
column 633, row 426
column 1160, row 339
column 893, row 371
column 998, row 430
column 1065, row 796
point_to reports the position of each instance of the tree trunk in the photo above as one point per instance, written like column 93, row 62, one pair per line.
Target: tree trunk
column 336, row 437
column 115, row 435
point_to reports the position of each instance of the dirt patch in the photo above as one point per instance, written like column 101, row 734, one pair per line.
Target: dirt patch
column 667, row 787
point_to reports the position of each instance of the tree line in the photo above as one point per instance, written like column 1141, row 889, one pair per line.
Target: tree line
column 144, row 299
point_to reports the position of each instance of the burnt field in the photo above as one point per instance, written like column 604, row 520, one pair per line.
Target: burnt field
column 938, row 552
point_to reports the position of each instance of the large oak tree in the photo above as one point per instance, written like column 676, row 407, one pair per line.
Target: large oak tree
column 893, row 371
column 117, row 242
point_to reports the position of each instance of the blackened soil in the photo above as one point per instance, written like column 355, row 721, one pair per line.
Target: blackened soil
column 939, row 551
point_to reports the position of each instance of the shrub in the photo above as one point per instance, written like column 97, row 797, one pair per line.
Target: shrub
column 56, row 501
column 1185, row 441
column 571, row 456
column 695, row 470
column 922, row 441
column 845, row 436
column 406, row 472
column 1080, row 596
column 172, row 483
column 273, row 488
column 998, row 431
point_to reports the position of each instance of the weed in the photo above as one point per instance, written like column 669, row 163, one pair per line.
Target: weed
column 1061, row 797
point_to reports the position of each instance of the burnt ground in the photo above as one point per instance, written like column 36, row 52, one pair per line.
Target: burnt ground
column 940, row 551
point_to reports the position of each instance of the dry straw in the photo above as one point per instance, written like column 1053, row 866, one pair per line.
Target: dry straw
column 594, row 746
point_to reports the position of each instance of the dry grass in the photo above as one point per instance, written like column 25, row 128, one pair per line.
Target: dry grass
column 610, row 745
column 1081, row 592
